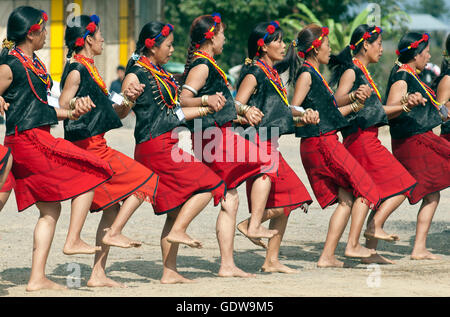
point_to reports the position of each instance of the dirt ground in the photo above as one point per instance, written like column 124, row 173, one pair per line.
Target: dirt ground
column 140, row 269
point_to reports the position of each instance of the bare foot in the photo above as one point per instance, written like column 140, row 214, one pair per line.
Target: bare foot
column 260, row 232
column 183, row 238
column 329, row 262
column 376, row 258
column 380, row 234
column 119, row 240
column 424, row 255
column 103, row 281
column 277, row 267
column 79, row 247
column 358, row 251
column 234, row 272
column 242, row 227
column 43, row 284
column 173, row 277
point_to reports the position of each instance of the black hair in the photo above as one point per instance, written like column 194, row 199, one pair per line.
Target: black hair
column 339, row 63
column 19, row 22
column 148, row 31
column 199, row 27
column 258, row 32
column 304, row 40
column 120, row 67
column 73, row 32
column 407, row 55
column 444, row 65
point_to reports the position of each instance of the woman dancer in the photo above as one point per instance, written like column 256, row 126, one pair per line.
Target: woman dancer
column 334, row 175
column 205, row 84
column 361, row 136
column 185, row 185
column 260, row 86
column 425, row 155
column 132, row 182
column 442, row 87
column 46, row 170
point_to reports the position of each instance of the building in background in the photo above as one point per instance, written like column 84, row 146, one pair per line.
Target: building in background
column 120, row 22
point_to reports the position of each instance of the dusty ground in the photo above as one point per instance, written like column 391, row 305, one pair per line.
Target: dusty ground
column 140, row 269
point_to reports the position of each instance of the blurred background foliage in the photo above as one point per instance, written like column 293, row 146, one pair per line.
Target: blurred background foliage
column 240, row 16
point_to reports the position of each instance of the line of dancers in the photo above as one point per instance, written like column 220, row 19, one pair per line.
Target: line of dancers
column 359, row 175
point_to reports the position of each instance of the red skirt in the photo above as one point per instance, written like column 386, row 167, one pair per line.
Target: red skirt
column 390, row 176
column 180, row 174
column 446, row 136
column 287, row 190
column 48, row 169
column 427, row 157
column 232, row 157
column 130, row 177
column 329, row 166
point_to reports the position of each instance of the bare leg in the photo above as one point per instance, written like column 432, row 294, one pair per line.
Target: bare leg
column 243, row 225
column 225, row 231
column 5, row 173
column 169, row 254
column 114, row 236
column 338, row 222
column 98, row 276
column 374, row 230
column 354, row 249
column 43, row 237
column 190, row 209
column 376, row 222
column 4, row 198
column 80, row 209
column 272, row 262
column 259, row 194
column 424, row 218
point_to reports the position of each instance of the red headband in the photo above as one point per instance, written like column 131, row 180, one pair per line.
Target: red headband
column 366, row 36
column 316, row 43
column 425, row 38
column 90, row 29
column 150, row 42
column 37, row 26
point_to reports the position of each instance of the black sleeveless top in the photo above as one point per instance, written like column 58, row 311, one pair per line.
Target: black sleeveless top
column 445, row 127
column 25, row 110
column 214, row 83
column 276, row 113
column 421, row 119
column 371, row 115
column 319, row 98
column 100, row 119
column 152, row 118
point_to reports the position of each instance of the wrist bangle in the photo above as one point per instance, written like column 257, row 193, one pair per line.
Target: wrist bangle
column 127, row 102
column 203, row 111
column 70, row 115
column 404, row 99
column 72, row 103
column 204, row 100
column 352, row 96
column 405, row 108
column 243, row 109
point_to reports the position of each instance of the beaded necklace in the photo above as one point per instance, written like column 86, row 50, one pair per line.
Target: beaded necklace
column 89, row 64
column 212, row 61
column 430, row 93
column 37, row 67
column 274, row 79
column 367, row 75
column 163, row 77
